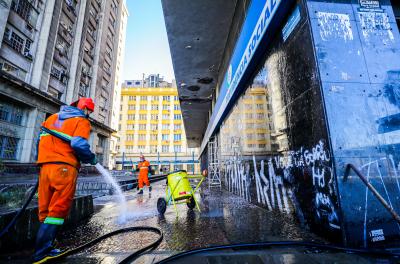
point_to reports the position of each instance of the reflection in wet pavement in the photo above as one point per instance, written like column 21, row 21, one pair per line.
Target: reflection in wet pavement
column 224, row 219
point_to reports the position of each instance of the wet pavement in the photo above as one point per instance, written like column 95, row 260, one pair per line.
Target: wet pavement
column 224, row 219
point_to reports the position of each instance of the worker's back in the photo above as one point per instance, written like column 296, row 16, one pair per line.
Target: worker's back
column 69, row 121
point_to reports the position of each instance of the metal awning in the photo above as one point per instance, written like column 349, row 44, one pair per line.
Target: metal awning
column 197, row 33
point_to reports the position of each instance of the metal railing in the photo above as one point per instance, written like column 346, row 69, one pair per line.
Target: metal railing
column 371, row 188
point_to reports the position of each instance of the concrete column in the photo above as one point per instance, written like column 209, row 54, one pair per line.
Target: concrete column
column 69, row 96
column 29, row 137
column 93, row 84
column 42, row 43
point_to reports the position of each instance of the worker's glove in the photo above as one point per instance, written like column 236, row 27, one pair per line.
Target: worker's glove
column 94, row 161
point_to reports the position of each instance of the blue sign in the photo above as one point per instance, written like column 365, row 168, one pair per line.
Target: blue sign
column 293, row 20
column 258, row 19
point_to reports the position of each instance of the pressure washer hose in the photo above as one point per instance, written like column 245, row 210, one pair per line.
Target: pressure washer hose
column 18, row 214
column 128, row 259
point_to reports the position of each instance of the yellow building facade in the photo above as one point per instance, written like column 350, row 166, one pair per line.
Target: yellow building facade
column 150, row 123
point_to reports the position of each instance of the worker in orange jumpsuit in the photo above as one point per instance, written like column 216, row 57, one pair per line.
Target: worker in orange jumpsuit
column 59, row 161
column 143, row 168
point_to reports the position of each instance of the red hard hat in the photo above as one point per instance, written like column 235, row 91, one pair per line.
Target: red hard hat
column 83, row 103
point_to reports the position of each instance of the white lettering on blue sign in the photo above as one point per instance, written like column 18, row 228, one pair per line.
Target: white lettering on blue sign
column 259, row 30
column 293, row 20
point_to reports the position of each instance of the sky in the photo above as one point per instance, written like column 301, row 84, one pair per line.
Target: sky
column 146, row 47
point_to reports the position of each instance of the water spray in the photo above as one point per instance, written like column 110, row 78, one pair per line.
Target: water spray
column 109, row 179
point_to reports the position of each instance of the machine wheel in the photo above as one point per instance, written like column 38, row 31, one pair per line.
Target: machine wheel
column 191, row 203
column 161, row 205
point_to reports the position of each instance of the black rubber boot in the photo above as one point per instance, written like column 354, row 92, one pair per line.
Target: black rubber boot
column 44, row 248
column 141, row 191
column 150, row 188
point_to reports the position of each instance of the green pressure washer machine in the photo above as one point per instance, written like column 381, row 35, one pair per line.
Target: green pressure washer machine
column 179, row 190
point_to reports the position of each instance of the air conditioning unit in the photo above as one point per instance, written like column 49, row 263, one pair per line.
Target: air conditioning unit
column 60, row 47
column 28, row 55
column 84, row 71
column 28, row 27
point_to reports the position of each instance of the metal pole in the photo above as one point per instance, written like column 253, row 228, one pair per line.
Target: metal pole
column 193, row 162
column 123, row 160
column 158, row 159
column 372, row 189
column 175, row 162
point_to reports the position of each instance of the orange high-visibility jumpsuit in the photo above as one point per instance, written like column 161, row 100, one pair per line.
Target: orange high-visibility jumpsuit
column 143, row 173
column 59, row 167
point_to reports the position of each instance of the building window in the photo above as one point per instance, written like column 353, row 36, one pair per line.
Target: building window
column 141, row 147
column 259, row 106
column 165, row 126
column 143, row 107
column 131, row 107
column 153, row 149
column 12, row 69
column 131, row 117
column 154, row 117
column 130, row 127
column 155, row 98
column 177, row 126
column 11, row 114
column 24, row 9
column 154, row 107
column 260, row 116
column 16, row 42
column 165, row 116
column 165, row 137
column 249, row 116
column 177, row 137
column 154, row 137
column 176, row 98
column 142, row 137
column 165, row 107
column 132, row 98
column 164, row 149
column 177, row 117
column 178, row 148
column 177, row 107
column 129, row 137
column 8, row 147
column 154, row 127
column 83, row 90
column 143, row 98
column 142, row 117
column 142, row 126
column 166, row 98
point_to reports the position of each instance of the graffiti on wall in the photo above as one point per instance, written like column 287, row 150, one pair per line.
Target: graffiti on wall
column 237, row 177
column 274, row 181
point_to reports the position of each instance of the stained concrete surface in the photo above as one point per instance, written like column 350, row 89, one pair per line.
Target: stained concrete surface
column 224, row 219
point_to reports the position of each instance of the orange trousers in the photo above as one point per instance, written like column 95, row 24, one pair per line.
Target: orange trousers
column 57, row 184
column 143, row 179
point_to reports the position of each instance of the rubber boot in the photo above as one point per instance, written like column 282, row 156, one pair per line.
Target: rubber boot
column 150, row 188
column 141, row 191
column 44, row 248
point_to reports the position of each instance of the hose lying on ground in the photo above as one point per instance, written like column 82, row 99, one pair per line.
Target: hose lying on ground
column 128, row 259
column 132, row 256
